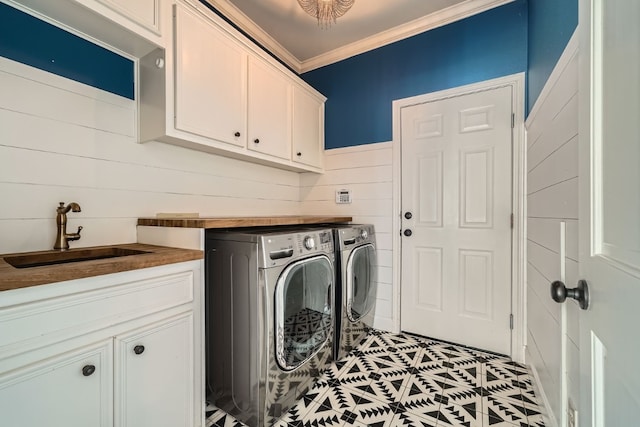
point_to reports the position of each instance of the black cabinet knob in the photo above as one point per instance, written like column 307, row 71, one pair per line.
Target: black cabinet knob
column 237, row 134
column 299, row 154
column 257, row 141
column 87, row 370
column 408, row 215
column 408, row 232
column 559, row 293
column 139, row 349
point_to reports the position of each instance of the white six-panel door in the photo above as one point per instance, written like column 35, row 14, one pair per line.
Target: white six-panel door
column 456, row 205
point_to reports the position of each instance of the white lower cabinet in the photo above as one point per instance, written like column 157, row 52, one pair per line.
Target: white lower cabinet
column 121, row 350
column 73, row 389
column 154, row 375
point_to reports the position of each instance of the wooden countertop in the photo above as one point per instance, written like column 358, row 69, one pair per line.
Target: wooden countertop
column 236, row 222
column 15, row 278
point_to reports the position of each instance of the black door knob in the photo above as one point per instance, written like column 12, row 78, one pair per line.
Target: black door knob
column 559, row 293
column 237, row 134
column 139, row 349
column 299, row 154
column 408, row 232
column 408, row 215
column 87, row 370
column 257, row 141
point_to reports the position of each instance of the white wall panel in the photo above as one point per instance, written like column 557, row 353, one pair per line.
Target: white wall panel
column 552, row 198
column 557, row 201
column 561, row 166
column 560, row 88
column 545, row 232
column 366, row 171
column 64, row 141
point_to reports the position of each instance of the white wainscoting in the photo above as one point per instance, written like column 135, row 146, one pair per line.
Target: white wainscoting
column 552, row 198
column 366, row 171
column 62, row 141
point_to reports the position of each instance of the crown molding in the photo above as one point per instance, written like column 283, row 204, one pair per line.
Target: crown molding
column 429, row 22
column 438, row 19
column 247, row 25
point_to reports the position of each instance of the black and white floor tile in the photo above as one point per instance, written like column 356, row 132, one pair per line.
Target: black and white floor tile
column 394, row 380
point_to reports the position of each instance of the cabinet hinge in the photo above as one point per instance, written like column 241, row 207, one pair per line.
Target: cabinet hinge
column 513, row 120
column 511, row 321
column 512, row 220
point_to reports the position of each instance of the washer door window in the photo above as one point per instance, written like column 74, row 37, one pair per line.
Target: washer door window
column 361, row 282
column 303, row 312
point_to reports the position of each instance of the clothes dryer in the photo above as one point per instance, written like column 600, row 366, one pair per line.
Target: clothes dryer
column 356, row 285
column 269, row 318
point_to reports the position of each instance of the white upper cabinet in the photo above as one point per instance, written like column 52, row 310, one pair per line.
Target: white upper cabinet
column 308, row 128
column 269, row 110
column 142, row 12
column 210, row 82
column 213, row 90
column 132, row 26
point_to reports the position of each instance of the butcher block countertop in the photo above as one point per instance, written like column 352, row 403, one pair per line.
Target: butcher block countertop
column 14, row 278
column 236, row 222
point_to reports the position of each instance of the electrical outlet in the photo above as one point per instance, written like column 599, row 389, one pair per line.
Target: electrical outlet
column 572, row 419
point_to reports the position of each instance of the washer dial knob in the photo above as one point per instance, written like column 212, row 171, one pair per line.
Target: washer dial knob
column 364, row 234
column 309, row 243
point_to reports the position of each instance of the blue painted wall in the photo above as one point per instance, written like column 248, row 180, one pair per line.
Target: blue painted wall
column 551, row 24
column 360, row 89
column 513, row 38
column 31, row 41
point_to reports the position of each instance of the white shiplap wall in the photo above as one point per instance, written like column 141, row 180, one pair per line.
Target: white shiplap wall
column 552, row 198
column 366, row 170
column 64, row 141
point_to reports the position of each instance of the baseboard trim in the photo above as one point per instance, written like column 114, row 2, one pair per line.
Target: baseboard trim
column 549, row 418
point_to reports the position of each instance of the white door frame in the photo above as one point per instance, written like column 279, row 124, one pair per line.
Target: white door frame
column 518, row 246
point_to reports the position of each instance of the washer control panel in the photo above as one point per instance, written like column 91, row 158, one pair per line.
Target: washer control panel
column 315, row 240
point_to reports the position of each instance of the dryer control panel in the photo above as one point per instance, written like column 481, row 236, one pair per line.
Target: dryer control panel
column 279, row 249
column 355, row 234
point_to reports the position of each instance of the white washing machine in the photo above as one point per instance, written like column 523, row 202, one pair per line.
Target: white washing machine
column 356, row 285
column 269, row 318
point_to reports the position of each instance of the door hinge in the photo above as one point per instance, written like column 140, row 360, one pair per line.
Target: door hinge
column 512, row 220
column 511, row 321
column 513, row 120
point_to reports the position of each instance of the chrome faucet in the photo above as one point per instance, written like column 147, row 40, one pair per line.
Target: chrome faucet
column 62, row 238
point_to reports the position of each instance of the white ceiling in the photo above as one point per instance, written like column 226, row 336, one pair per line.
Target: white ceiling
column 290, row 33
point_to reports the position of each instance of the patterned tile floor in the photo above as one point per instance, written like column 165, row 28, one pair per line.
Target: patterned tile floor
column 394, row 380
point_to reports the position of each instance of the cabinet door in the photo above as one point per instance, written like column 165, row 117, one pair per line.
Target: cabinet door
column 308, row 141
column 269, row 110
column 73, row 389
column 143, row 12
column 210, row 80
column 154, row 383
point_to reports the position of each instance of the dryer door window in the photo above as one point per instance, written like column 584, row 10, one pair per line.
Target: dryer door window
column 361, row 282
column 303, row 310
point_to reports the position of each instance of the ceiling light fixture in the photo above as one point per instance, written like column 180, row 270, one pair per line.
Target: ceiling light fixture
column 326, row 11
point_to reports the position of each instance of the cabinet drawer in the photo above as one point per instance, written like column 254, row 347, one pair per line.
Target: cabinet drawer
column 67, row 316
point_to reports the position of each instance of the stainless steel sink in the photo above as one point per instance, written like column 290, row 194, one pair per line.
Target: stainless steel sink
column 40, row 259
